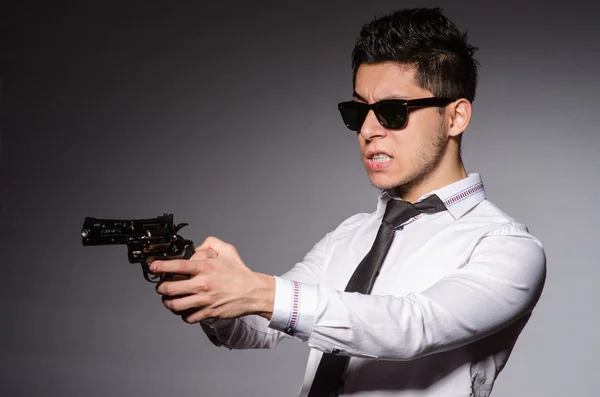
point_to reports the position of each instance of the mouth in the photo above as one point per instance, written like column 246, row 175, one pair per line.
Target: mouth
column 378, row 155
column 377, row 160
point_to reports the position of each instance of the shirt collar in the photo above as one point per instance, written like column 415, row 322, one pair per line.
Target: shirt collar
column 460, row 197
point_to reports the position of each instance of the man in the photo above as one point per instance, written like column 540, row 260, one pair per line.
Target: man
column 409, row 300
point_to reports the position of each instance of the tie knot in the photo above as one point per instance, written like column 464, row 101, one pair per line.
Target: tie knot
column 398, row 211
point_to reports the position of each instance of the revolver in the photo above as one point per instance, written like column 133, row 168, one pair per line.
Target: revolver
column 146, row 239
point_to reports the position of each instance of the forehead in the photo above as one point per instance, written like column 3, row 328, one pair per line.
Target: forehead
column 387, row 80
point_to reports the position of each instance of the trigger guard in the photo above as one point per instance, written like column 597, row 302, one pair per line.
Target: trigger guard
column 149, row 276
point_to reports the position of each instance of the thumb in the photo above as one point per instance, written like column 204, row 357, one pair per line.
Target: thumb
column 203, row 253
column 219, row 247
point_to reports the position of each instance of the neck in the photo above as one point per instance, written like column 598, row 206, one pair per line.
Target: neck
column 446, row 173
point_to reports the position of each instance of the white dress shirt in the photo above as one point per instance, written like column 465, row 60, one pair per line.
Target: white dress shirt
column 454, row 292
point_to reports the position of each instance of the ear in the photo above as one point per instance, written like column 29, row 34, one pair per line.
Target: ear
column 459, row 116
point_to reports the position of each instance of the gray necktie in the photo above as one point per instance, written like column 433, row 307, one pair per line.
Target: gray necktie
column 329, row 378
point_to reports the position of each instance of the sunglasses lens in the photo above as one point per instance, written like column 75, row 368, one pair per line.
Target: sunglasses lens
column 353, row 114
column 391, row 115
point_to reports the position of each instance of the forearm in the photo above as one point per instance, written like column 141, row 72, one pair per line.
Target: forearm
column 382, row 327
column 394, row 328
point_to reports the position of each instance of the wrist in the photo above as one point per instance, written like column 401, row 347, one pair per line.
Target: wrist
column 265, row 295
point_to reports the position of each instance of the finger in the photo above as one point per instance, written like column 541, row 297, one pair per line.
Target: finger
column 181, row 266
column 210, row 242
column 182, row 313
column 204, row 253
column 169, row 277
column 184, row 303
column 181, row 287
column 195, row 316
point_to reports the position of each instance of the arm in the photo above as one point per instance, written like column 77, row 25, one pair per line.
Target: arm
column 501, row 283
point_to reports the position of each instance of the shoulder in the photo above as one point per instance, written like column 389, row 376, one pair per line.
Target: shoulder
column 501, row 234
column 494, row 233
column 489, row 216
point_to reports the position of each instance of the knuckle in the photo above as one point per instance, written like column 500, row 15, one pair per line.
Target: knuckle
column 210, row 302
column 168, row 289
column 201, row 284
column 233, row 250
column 209, row 284
column 185, row 266
column 208, row 267
column 182, row 266
column 194, row 266
column 210, row 240
column 177, row 306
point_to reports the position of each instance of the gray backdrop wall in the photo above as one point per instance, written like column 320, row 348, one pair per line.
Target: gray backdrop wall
column 225, row 115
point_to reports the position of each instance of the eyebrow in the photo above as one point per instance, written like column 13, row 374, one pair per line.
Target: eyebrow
column 357, row 96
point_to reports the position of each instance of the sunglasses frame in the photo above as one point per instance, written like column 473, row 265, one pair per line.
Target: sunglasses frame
column 403, row 103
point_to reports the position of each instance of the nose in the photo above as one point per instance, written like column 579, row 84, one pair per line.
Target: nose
column 371, row 128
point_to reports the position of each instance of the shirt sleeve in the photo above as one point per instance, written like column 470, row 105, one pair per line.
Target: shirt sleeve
column 500, row 284
column 253, row 331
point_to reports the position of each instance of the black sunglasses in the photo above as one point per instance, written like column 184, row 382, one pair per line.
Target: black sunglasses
column 391, row 113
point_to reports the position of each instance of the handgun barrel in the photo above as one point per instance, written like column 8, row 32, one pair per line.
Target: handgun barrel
column 107, row 231
column 97, row 231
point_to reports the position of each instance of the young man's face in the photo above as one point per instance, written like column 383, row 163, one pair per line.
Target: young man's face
column 415, row 150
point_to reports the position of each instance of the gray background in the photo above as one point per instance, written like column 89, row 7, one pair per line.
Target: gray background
column 225, row 115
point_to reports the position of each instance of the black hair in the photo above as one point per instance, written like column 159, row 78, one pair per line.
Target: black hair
column 425, row 39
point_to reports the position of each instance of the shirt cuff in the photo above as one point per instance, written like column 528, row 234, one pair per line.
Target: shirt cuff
column 294, row 309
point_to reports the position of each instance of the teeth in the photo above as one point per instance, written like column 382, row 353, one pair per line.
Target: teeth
column 380, row 158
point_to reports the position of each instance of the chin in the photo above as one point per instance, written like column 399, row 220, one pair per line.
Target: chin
column 384, row 183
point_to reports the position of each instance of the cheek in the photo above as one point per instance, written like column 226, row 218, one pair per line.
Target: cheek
column 421, row 134
column 406, row 145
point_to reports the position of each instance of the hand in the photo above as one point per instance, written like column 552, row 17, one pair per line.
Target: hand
column 220, row 285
